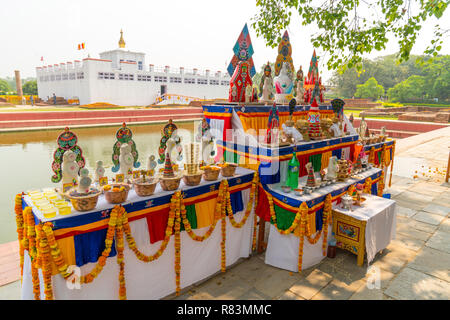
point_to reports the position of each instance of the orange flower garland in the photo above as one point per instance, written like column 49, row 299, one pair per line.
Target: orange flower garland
column 368, row 185
column 224, row 238
column 46, row 264
column 177, row 229
column 20, row 228
column 187, row 224
column 108, row 244
column 302, row 233
column 274, row 217
column 255, row 218
column 326, row 220
column 120, row 248
column 381, row 184
column 132, row 243
column 251, row 203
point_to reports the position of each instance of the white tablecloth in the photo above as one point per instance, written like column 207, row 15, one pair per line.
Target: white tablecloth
column 282, row 251
column 380, row 214
column 155, row 280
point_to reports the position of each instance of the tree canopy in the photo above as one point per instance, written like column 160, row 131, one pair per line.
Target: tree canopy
column 30, row 87
column 348, row 29
column 370, row 89
column 4, row 87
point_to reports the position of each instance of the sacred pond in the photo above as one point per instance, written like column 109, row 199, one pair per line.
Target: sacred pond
column 27, row 157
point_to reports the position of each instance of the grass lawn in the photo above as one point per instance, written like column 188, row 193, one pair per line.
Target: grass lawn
column 348, row 112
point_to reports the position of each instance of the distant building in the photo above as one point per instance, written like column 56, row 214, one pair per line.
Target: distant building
column 121, row 77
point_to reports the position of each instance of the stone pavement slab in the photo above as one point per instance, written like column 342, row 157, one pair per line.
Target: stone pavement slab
column 433, row 262
column 407, row 242
column 440, row 241
column 411, row 223
column 405, row 212
column 11, row 291
column 338, row 290
column 393, row 258
column 275, row 281
column 411, row 284
column 427, row 217
column 414, row 197
column 437, row 209
column 254, row 294
column 289, row 295
column 311, row 285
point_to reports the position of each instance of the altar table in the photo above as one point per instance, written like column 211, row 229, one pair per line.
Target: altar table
column 81, row 239
column 366, row 229
column 282, row 250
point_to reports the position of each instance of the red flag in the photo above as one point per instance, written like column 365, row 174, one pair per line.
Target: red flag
column 42, row 58
column 82, row 45
column 79, row 46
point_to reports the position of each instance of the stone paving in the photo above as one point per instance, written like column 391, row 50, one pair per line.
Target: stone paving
column 416, row 265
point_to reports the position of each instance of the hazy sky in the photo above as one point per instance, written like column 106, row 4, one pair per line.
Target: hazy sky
column 194, row 34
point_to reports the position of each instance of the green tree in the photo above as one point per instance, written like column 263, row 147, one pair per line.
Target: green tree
column 370, row 89
column 30, row 87
column 385, row 69
column 412, row 89
column 4, row 87
column 348, row 29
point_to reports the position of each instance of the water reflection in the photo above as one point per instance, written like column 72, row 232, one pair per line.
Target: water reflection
column 26, row 158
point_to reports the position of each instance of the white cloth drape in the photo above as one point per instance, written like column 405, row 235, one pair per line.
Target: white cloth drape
column 282, row 251
column 380, row 214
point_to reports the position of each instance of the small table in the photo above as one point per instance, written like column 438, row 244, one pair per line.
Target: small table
column 366, row 229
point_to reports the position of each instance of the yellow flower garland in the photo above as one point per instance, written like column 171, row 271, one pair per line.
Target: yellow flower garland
column 20, row 228
column 46, row 264
column 368, row 185
column 177, row 243
column 274, row 217
column 224, row 238
column 120, row 248
column 381, row 184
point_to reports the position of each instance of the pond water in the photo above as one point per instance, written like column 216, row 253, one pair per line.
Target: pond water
column 26, row 157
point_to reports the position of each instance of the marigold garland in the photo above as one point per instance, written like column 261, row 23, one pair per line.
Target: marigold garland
column 177, row 242
column 20, row 228
column 120, row 248
column 274, row 217
column 224, row 238
column 368, row 185
column 46, row 264
column 250, row 205
column 381, row 184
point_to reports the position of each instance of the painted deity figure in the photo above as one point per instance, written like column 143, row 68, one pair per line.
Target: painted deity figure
column 273, row 126
column 363, row 127
column 332, row 168
column 99, row 171
column 283, row 82
column 335, row 128
column 266, row 84
column 300, row 91
column 239, row 81
column 69, row 168
column 207, row 141
column 248, row 93
column 267, row 91
column 325, row 125
column 151, row 165
column 126, row 159
column 85, row 181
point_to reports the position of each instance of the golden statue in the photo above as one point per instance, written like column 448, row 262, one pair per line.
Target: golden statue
column 121, row 41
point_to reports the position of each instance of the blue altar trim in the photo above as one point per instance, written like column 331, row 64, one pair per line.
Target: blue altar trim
column 145, row 203
column 319, row 219
column 296, row 203
column 283, row 151
column 236, row 202
column 379, row 145
column 254, row 109
column 89, row 246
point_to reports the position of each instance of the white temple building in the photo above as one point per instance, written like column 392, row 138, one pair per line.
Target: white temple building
column 121, row 77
